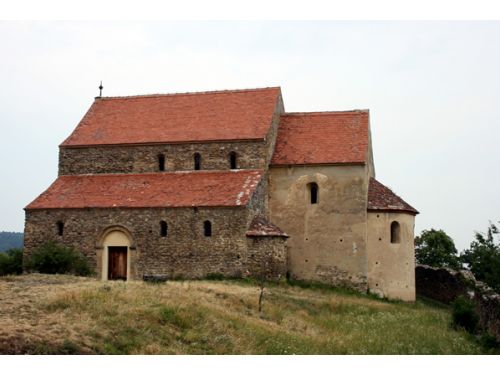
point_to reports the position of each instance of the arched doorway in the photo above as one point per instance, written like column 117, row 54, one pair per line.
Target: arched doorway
column 116, row 255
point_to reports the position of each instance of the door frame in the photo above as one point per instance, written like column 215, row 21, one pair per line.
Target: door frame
column 120, row 249
column 115, row 235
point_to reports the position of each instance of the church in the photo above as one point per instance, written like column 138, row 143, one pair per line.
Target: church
column 228, row 183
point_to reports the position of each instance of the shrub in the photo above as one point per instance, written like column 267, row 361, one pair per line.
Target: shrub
column 464, row 314
column 11, row 262
column 55, row 258
column 489, row 341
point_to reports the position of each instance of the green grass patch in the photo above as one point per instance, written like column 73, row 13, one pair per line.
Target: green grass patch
column 221, row 317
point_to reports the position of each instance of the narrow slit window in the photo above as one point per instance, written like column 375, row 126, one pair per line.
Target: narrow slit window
column 313, row 193
column 161, row 162
column 232, row 160
column 395, row 232
column 163, row 228
column 207, row 228
column 197, row 162
column 60, row 228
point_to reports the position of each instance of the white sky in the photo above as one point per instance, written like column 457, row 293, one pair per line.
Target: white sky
column 432, row 89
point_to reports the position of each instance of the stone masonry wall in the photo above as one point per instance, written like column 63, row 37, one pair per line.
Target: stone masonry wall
column 272, row 134
column 185, row 252
column 258, row 203
column 445, row 285
column 266, row 257
column 442, row 284
column 144, row 158
column 178, row 157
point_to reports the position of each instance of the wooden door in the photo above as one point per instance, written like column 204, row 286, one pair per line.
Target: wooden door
column 117, row 262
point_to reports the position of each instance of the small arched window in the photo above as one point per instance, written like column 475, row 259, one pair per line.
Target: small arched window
column 232, row 160
column 313, row 192
column 163, row 228
column 161, row 162
column 207, row 228
column 197, row 162
column 395, row 232
column 60, row 228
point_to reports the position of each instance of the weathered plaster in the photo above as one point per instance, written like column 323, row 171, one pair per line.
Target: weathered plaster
column 327, row 240
column 391, row 266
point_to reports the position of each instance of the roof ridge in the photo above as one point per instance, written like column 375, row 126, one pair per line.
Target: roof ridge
column 319, row 113
column 145, row 96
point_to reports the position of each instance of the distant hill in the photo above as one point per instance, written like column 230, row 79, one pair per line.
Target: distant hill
column 9, row 240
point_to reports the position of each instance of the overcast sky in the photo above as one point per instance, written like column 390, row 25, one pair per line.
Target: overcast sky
column 432, row 88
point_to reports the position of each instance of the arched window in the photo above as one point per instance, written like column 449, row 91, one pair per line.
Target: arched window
column 163, row 228
column 207, row 228
column 60, row 228
column 395, row 232
column 161, row 162
column 232, row 160
column 313, row 192
column 197, row 162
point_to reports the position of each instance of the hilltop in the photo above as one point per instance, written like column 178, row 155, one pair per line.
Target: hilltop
column 67, row 314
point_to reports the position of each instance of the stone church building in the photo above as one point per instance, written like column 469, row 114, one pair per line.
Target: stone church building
column 226, row 182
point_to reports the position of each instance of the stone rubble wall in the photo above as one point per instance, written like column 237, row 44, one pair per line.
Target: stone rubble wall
column 445, row 285
column 266, row 257
column 178, row 157
column 185, row 252
column 144, row 158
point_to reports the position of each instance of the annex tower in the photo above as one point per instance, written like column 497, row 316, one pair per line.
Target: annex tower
column 226, row 182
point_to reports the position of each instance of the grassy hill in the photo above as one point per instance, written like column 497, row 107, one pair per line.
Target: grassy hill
column 10, row 240
column 66, row 314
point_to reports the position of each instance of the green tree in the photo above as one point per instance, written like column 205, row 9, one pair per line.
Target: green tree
column 435, row 248
column 483, row 257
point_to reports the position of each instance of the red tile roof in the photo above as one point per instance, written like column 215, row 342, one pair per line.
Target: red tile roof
column 175, row 118
column 174, row 189
column 261, row 227
column 322, row 138
column 381, row 198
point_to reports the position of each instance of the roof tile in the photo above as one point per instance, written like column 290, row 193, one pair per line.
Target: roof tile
column 381, row 198
column 261, row 227
column 322, row 138
column 175, row 118
column 174, row 189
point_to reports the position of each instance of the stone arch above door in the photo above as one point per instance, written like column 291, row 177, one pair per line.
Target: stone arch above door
column 115, row 228
column 114, row 237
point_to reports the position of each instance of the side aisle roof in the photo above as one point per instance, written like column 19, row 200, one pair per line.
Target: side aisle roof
column 174, row 189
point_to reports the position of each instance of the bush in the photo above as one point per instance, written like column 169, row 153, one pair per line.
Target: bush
column 55, row 258
column 11, row 262
column 489, row 341
column 464, row 314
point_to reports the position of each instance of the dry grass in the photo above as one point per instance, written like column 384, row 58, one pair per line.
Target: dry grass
column 65, row 314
